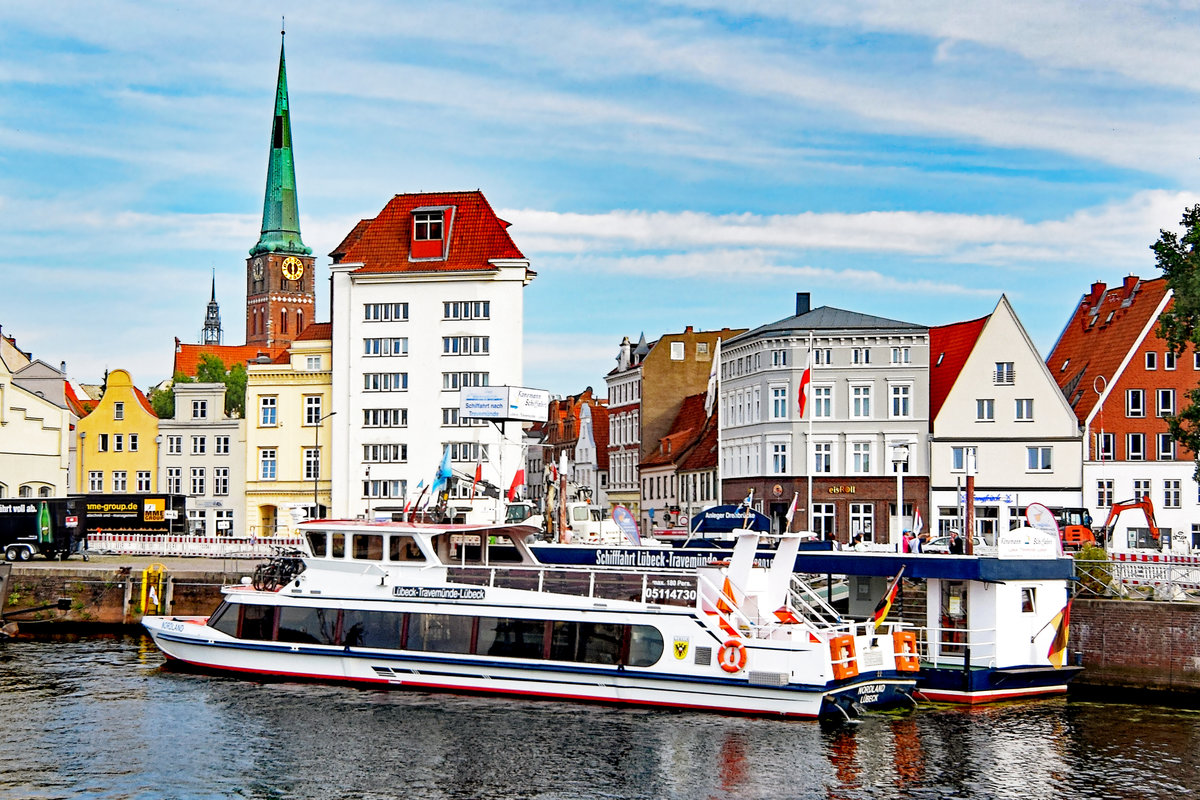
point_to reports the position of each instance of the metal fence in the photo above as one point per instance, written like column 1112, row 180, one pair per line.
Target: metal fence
column 1140, row 577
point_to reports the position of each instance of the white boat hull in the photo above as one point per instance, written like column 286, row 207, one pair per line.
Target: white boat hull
column 194, row 644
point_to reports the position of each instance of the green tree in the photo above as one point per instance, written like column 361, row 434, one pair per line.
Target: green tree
column 1179, row 259
column 210, row 370
column 162, row 400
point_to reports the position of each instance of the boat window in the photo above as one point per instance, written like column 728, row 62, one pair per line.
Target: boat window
column 380, row 629
column 580, row 514
column 645, row 646
column 339, row 546
column 368, row 546
column 318, row 543
column 600, row 643
column 440, row 633
column 1028, row 598
column 511, row 638
column 225, row 619
column 404, row 548
column 306, row 625
column 258, row 622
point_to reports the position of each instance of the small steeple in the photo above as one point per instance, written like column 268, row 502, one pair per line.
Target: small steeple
column 212, row 317
column 281, row 215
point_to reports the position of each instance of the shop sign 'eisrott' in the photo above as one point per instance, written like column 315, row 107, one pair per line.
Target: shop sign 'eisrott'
column 504, row 403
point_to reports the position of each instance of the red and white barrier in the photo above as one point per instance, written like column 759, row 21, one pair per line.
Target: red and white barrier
column 129, row 544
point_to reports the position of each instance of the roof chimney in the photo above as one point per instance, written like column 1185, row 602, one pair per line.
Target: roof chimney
column 1094, row 296
column 63, row 368
column 623, row 355
column 1130, row 284
column 803, row 303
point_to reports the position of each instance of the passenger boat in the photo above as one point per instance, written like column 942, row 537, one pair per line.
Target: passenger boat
column 469, row 608
column 983, row 622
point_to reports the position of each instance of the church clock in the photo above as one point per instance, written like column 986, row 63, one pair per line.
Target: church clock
column 292, row 268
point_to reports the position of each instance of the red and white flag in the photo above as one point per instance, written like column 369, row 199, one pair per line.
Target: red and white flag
column 517, row 482
column 478, row 478
column 805, row 380
column 791, row 512
column 918, row 523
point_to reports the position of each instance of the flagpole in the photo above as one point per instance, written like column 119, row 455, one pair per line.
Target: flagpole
column 808, row 467
column 720, row 492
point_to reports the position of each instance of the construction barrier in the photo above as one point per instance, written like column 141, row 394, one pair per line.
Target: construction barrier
column 134, row 544
column 1160, row 571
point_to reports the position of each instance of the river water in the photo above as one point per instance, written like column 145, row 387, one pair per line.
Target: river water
column 99, row 717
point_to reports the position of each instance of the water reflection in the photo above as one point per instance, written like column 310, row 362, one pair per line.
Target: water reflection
column 99, row 718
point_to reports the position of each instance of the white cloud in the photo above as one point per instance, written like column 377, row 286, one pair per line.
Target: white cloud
column 1112, row 233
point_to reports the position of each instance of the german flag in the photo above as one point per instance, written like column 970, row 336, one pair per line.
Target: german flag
column 885, row 603
column 1058, row 647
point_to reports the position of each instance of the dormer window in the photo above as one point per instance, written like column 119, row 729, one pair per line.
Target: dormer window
column 429, row 233
column 427, row 226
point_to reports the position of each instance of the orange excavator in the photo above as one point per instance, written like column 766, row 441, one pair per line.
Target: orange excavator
column 1148, row 540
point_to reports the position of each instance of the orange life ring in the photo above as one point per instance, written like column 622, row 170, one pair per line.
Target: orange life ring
column 732, row 656
column 905, row 646
column 841, row 653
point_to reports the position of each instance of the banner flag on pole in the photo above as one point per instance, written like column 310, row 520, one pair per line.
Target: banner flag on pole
column 517, row 482
column 805, row 380
column 442, row 479
column 710, row 399
column 917, row 523
column 1058, row 647
column 791, row 512
column 885, row 603
column 478, row 477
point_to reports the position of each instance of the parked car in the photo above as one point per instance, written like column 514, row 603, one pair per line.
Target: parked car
column 942, row 544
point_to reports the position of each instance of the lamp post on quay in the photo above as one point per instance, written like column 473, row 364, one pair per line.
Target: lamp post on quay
column 317, row 461
column 900, row 460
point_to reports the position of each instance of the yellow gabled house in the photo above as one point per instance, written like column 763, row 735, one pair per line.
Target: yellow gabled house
column 116, row 442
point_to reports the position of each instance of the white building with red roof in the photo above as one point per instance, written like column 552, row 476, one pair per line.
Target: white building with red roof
column 991, row 395
column 1122, row 383
column 427, row 299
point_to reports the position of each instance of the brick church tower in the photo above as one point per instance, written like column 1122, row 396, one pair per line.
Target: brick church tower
column 280, row 284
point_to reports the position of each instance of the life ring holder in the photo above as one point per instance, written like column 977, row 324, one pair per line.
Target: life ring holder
column 732, row 656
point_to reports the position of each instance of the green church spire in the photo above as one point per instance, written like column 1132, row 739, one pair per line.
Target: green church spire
column 281, row 217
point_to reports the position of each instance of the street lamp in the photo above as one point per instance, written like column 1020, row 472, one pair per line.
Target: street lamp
column 317, row 460
column 899, row 460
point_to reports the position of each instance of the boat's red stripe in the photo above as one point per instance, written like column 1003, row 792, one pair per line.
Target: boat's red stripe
column 486, row 690
column 973, row 698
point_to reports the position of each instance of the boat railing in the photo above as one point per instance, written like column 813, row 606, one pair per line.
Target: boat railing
column 811, row 604
column 975, row 647
column 649, row 586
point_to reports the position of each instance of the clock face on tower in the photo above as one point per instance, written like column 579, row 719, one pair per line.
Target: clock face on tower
column 257, row 270
column 292, row 268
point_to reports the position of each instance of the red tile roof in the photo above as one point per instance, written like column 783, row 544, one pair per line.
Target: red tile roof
column 1106, row 325
column 79, row 406
column 144, row 401
column 187, row 356
column 316, row 331
column 686, row 431
column 949, row 347
column 704, row 454
column 476, row 235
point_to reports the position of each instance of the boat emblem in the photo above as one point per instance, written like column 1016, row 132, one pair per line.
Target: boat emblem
column 681, row 649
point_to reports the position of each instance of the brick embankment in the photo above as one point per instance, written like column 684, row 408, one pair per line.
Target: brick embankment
column 107, row 591
column 1137, row 646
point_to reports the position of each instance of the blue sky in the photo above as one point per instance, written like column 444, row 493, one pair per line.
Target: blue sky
column 662, row 164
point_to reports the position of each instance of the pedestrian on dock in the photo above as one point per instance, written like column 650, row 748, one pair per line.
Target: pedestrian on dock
column 956, row 544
